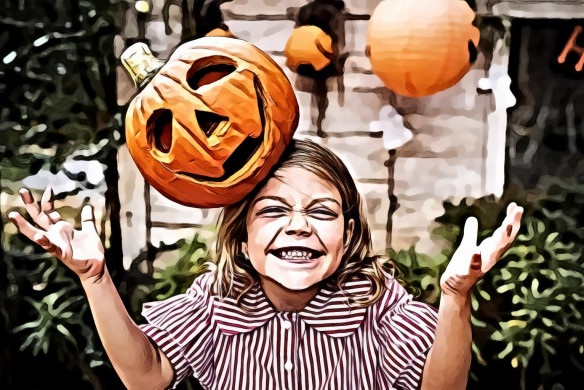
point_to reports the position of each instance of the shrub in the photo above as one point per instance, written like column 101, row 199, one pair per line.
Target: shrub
column 527, row 311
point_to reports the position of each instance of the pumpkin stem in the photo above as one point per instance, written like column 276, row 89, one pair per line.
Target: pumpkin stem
column 140, row 63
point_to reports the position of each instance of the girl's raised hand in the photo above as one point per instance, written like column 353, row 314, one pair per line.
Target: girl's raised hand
column 470, row 262
column 80, row 250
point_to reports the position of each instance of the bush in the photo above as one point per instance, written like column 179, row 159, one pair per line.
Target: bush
column 527, row 311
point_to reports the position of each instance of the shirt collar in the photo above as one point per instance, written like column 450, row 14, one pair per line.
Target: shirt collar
column 328, row 312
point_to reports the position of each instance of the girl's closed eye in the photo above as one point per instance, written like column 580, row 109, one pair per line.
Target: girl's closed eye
column 273, row 211
column 322, row 213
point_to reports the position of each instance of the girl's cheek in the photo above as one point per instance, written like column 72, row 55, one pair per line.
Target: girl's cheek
column 263, row 229
column 328, row 229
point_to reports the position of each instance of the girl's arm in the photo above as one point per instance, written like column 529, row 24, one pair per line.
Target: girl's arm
column 139, row 364
column 449, row 358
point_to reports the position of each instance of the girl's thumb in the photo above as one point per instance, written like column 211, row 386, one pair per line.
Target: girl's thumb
column 87, row 219
column 471, row 230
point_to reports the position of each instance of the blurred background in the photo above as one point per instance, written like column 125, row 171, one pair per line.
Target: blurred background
column 511, row 129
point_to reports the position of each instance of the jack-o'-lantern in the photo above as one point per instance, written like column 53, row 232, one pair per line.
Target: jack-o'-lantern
column 212, row 122
column 420, row 47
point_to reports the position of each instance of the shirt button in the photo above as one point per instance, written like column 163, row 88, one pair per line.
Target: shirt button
column 288, row 366
column 286, row 324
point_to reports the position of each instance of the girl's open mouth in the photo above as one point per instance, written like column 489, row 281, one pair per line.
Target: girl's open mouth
column 296, row 254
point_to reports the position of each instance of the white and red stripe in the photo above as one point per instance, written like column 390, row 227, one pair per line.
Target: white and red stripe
column 327, row 345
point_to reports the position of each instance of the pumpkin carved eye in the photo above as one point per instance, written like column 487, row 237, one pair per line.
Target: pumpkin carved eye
column 160, row 127
column 202, row 74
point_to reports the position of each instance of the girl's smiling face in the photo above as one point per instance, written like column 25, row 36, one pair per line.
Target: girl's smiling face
column 296, row 229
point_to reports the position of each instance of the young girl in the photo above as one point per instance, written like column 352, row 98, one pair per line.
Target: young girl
column 296, row 300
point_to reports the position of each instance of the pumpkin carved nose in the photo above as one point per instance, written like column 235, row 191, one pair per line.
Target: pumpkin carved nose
column 208, row 121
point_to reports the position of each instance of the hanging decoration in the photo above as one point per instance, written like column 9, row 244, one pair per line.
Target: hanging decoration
column 315, row 51
column 309, row 45
column 418, row 48
column 199, row 17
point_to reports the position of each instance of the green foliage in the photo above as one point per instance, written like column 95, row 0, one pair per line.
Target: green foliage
column 420, row 273
column 57, row 82
column 176, row 277
column 54, row 313
column 46, row 311
column 173, row 271
column 176, row 267
column 532, row 301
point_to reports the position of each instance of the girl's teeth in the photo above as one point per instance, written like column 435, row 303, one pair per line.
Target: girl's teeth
column 296, row 255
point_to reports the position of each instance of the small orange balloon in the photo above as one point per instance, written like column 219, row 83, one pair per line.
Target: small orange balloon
column 418, row 48
column 308, row 45
column 219, row 32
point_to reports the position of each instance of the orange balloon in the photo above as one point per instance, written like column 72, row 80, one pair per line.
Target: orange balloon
column 219, row 32
column 420, row 47
column 308, row 45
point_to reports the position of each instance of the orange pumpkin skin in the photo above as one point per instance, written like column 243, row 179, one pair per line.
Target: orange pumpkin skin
column 213, row 121
column 418, row 48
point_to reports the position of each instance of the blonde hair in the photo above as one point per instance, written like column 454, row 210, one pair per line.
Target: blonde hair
column 358, row 261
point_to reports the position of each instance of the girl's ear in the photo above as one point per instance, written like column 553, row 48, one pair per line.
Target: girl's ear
column 244, row 249
column 349, row 233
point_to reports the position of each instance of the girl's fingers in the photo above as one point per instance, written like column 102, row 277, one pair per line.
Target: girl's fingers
column 502, row 238
column 24, row 226
column 510, row 207
column 26, row 196
column 63, row 241
column 54, row 241
column 34, row 209
column 475, row 263
column 30, row 205
column 54, row 216
column 87, row 219
column 518, row 214
column 471, row 229
column 474, row 270
column 38, row 236
column 47, row 200
column 508, row 230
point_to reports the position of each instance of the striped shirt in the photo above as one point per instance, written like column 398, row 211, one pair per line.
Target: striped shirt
column 326, row 345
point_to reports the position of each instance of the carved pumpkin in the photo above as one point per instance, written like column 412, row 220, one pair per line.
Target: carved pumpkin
column 212, row 122
column 418, row 48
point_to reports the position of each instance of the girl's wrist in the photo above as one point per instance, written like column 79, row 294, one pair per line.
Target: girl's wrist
column 96, row 279
column 460, row 302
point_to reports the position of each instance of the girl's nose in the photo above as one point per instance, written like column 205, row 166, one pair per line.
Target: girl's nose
column 298, row 224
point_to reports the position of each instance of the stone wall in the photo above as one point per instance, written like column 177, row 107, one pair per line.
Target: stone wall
column 457, row 148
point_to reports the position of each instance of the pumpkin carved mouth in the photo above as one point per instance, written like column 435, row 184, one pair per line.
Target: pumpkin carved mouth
column 244, row 152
